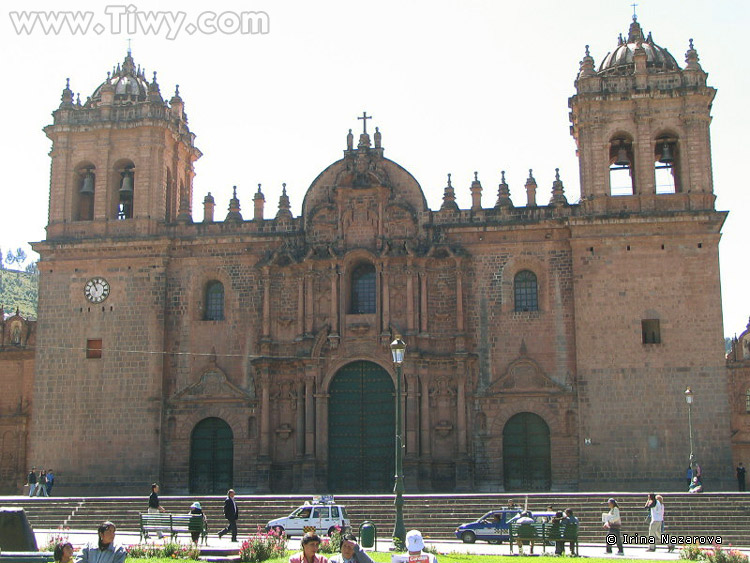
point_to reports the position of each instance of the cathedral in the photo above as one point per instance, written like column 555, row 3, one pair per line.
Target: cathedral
column 549, row 343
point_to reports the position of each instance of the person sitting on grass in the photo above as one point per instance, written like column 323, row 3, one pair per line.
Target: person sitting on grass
column 63, row 552
column 415, row 545
column 351, row 552
column 309, row 554
column 105, row 551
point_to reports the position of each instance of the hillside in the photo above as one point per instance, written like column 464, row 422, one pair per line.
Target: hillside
column 19, row 290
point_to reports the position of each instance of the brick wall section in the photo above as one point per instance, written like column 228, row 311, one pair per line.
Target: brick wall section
column 102, row 418
column 16, row 381
column 631, row 394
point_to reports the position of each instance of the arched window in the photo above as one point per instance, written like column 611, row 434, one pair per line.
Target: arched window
column 85, row 184
column 525, row 291
column 214, row 301
column 666, row 169
column 363, row 290
column 621, row 180
column 125, row 192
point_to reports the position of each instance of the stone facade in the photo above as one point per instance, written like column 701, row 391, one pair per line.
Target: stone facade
column 738, row 362
column 17, row 340
column 548, row 345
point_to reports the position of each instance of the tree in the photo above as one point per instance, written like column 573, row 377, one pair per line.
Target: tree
column 32, row 268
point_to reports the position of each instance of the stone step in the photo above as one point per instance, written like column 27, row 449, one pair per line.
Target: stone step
column 436, row 515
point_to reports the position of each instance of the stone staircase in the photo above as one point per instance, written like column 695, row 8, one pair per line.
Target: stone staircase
column 437, row 516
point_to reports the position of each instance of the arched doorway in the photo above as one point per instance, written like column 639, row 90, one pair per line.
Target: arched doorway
column 361, row 430
column 211, row 457
column 526, row 453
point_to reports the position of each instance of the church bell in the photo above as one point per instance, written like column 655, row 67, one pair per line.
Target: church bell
column 666, row 154
column 87, row 188
column 622, row 156
column 126, row 187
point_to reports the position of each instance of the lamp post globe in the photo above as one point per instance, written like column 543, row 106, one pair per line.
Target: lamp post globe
column 398, row 349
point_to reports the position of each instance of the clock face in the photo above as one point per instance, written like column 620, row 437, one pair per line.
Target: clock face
column 96, row 290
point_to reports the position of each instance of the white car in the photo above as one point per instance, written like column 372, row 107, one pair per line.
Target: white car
column 324, row 516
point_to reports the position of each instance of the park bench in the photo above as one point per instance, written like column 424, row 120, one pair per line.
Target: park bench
column 563, row 531
column 531, row 532
column 190, row 523
column 26, row 557
column 172, row 524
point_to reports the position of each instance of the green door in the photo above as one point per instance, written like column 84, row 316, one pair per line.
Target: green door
column 361, row 430
column 526, row 453
column 211, row 457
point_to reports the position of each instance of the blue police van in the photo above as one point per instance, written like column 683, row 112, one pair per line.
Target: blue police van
column 493, row 526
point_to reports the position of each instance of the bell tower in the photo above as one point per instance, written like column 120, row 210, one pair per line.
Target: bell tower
column 121, row 184
column 122, row 163
column 645, row 245
column 641, row 125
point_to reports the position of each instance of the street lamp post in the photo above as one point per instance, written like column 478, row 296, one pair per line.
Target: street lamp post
column 689, row 401
column 398, row 347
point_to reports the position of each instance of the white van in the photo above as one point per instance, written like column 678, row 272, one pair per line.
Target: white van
column 323, row 514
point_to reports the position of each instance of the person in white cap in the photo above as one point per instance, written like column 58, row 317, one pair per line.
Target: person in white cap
column 196, row 509
column 415, row 545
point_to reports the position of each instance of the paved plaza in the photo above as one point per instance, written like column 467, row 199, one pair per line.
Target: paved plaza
column 445, row 548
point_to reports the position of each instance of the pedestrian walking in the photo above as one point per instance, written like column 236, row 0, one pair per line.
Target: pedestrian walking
column 31, row 480
column 656, row 510
column 50, row 482
column 740, row 477
column 232, row 514
column 41, row 484
column 153, row 505
column 613, row 525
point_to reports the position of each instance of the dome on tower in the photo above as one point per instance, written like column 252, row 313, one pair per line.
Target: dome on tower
column 128, row 82
column 620, row 61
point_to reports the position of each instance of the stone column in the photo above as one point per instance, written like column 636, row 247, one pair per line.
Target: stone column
column 425, row 418
column 644, row 180
column 301, row 305
column 309, row 281
column 309, row 416
column 423, row 314
column 386, row 298
column 412, row 415
column 409, row 299
column 461, row 414
column 301, row 413
column 321, row 427
column 378, row 301
column 266, row 304
column 459, row 300
column 334, row 300
column 265, row 418
column 342, row 303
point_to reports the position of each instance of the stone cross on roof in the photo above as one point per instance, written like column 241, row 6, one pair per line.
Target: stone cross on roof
column 364, row 119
